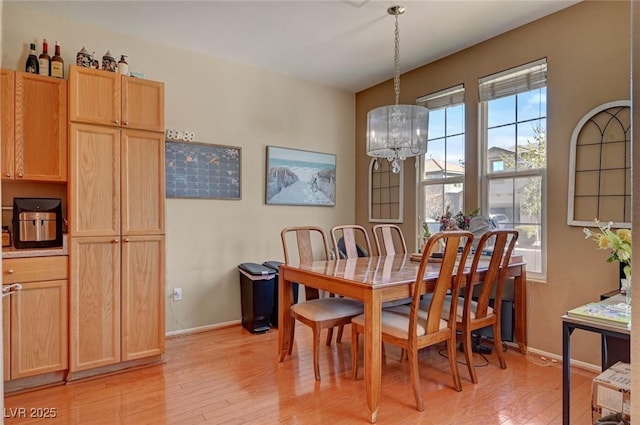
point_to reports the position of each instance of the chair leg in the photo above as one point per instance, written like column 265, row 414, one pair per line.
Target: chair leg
column 415, row 379
column 293, row 331
column 468, row 355
column 329, row 335
column 340, row 331
column 497, row 342
column 354, row 352
column 316, row 351
column 453, row 364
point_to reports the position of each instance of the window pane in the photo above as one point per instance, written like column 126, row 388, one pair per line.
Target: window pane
column 532, row 144
column 436, row 123
column 437, row 197
column 502, row 111
column 501, row 143
column 501, row 201
column 529, row 246
column 455, row 156
column 528, row 199
column 434, row 160
column 532, row 104
column 455, row 120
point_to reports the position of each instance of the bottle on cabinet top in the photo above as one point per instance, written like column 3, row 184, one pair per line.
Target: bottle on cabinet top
column 123, row 66
column 44, row 59
column 57, row 63
column 32, row 65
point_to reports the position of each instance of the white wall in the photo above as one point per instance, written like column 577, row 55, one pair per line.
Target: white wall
column 223, row 103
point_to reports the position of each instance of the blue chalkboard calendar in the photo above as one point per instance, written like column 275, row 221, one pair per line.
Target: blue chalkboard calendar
column 201, row 170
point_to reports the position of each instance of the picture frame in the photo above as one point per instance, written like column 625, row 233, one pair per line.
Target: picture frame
column 202, row 171
column 300, row 177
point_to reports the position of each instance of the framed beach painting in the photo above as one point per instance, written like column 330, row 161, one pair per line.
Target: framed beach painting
column 298, row 177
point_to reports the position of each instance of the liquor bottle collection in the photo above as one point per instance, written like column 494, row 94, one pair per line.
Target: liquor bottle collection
column 54, row 66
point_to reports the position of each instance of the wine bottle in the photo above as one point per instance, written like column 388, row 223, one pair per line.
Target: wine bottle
column 57, row 63
column 32, row 65
column 45, row 61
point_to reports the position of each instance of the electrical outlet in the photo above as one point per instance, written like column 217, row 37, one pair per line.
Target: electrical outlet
column 177, row 294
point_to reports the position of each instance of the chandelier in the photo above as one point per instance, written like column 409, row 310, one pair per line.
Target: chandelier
column 397, row 132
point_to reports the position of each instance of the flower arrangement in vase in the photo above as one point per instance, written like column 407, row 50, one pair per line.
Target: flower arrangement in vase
column 459, row 221
column 618, row 242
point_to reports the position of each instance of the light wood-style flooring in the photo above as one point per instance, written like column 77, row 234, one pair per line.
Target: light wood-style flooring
column 229, row 376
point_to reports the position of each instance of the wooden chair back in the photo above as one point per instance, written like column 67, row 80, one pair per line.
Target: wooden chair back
column 502, row 242
column 389, row 239
column 351, row 235
column 449, row 279
column 305, row 238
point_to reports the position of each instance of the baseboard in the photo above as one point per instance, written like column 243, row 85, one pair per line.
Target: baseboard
column 577, row 363
column 205, row 328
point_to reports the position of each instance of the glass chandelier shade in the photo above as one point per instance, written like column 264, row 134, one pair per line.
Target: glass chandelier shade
column 397, row 132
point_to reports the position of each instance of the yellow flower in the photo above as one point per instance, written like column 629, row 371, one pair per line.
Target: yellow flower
column 624, row 235
column 603, row 242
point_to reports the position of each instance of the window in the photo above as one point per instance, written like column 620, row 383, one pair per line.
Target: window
column 513, row 119
column 441, row 170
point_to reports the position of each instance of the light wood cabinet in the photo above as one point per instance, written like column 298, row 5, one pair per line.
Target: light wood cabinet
column 35, row 318
column 142, row 297
column 116, row 222
column 107, row 98
column 39, row 151
column 94, row 302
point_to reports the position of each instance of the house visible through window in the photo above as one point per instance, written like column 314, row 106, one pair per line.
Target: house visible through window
column 441, row 170
column 513, row 111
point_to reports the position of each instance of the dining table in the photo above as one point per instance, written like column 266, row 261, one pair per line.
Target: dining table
column 374, row 280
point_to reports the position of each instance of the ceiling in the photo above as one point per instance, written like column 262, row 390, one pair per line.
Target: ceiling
column 347, row 44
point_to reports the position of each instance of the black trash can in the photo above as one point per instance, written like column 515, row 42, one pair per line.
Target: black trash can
column 257, row 283
column 273, row 265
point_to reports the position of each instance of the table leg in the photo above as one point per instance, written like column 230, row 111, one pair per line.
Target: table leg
column 372, row 352
column 285, row 300
column 566, row 371
column 520, row 296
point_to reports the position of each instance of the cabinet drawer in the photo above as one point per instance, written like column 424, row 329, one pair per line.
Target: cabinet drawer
column 34, row 269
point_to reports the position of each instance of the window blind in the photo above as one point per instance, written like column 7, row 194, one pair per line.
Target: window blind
column 512, row 81
column 443, row 98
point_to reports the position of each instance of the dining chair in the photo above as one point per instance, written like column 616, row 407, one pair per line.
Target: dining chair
column 345, row 241
column 389, row 239
column 316, row 312
column 473, row 311
column 417, row 329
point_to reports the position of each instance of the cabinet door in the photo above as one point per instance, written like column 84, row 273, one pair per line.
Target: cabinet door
column 7, row 90
column 94, row 96
column 40, row 128
column 95, row 302
column 142, row 104
column 142, row 296
column 39, row 328
column 142, row 187
column 6, row 338
column 94, row 180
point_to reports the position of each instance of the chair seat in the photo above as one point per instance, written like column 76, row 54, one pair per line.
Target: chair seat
column 397, row 323
column 328, row 308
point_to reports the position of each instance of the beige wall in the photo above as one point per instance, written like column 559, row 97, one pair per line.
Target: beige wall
column 587, row 47
column 223, row 103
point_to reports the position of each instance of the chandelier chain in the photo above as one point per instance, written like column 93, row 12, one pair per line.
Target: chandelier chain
column 396, row 74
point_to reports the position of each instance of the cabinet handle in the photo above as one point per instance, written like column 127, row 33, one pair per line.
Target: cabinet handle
column 126, row 239
column 114, row 241
column 11, row 271
column 8, row 174
column 20, row 175
column 115, row 121
column 126, row 123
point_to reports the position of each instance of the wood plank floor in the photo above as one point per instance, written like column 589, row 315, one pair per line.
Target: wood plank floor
column 229, row 376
